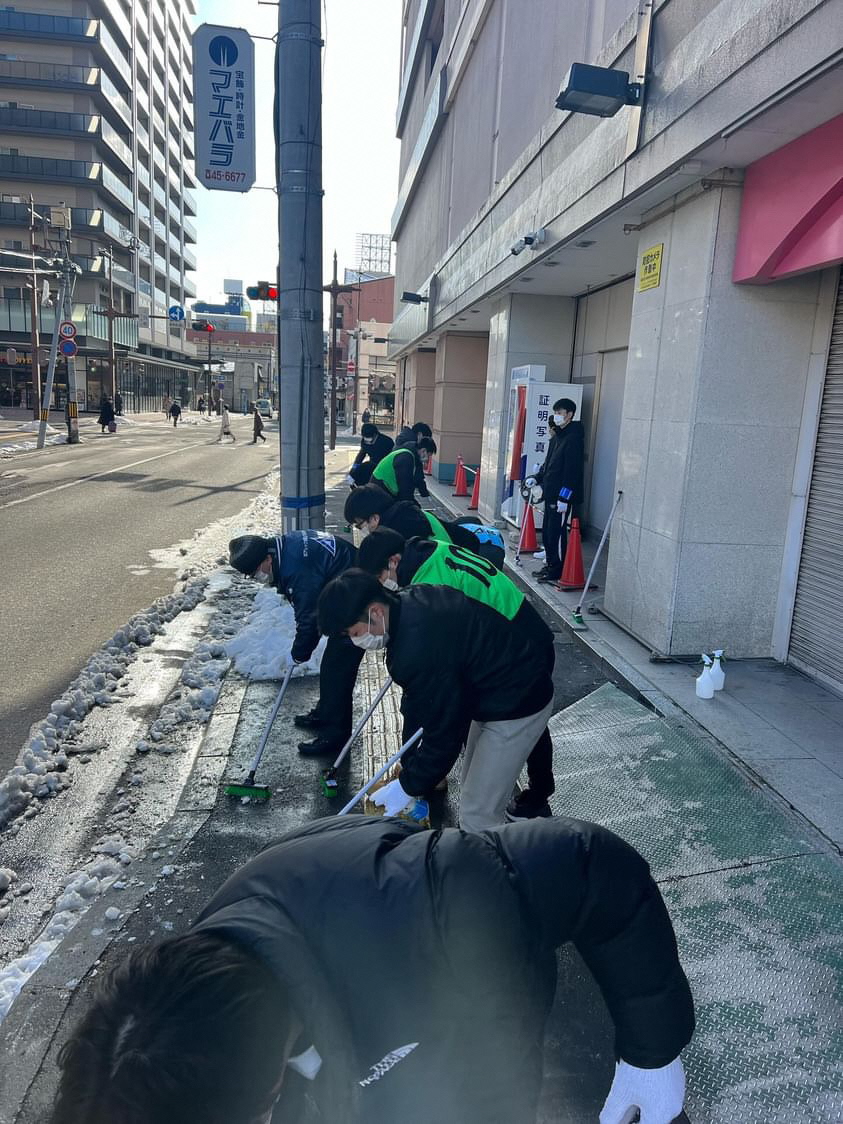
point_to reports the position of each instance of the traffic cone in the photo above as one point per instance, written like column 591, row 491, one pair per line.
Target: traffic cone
column 428, row 468
column 475, row 492
column 573, row 573
column 460, row 485
column 527, row 541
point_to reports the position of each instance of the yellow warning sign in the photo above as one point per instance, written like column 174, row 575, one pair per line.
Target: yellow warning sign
column 650, row 273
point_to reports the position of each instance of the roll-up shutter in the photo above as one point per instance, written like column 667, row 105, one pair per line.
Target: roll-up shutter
column 816, row 638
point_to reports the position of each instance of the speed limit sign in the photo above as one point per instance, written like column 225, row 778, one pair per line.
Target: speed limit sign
column 67, row 329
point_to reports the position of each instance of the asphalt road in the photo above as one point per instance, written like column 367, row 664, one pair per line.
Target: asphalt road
column 72, row 522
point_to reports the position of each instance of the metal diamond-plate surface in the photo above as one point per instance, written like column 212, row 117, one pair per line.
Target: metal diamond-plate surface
column 666, row 792
column 763, row 950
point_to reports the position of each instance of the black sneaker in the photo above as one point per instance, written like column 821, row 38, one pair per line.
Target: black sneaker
column 540, row 572
column 526, row 806
column 309, row 721
column 548, row 578
column 320, row 747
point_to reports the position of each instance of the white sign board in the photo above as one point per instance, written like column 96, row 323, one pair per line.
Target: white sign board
column 224, row 107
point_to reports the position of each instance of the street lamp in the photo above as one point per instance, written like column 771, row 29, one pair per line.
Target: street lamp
column 598, row 91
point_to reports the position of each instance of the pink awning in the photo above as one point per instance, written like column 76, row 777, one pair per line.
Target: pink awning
column 792, row 208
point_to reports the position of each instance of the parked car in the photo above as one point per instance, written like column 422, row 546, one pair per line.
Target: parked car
column 264, row 407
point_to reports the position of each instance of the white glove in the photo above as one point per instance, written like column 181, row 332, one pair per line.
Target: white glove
column 530, row 482
column 350, row 481
column 561, row 507
column 658, row 1093
column 288, row 662
column 392, row 798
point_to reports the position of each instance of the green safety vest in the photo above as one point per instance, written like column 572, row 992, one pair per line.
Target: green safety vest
column 437, row 528
column 384, row 470
column 474, row 576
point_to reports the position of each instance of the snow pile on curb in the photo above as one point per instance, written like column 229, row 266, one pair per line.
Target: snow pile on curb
column 34, row 426
column 28, row 446
column 263, row 643
column 39, row 772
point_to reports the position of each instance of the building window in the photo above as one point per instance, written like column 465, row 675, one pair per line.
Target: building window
column 434, row 37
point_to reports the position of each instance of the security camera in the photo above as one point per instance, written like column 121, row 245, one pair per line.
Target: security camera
column 518, row 247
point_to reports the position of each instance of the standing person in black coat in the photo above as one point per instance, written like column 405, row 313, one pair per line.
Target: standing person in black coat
column 364, row 970
column 469, row 675
column 299, row 565
column 374, row 446
column 257, row 427
column 175, row 412
column 561, row 478
column 106, row 414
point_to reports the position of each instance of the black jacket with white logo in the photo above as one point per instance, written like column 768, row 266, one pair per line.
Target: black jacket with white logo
column 423, row 966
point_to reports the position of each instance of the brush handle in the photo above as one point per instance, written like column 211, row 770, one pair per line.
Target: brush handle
column 355, row 732
column 266, row 730
column 597, row 553
column 411, row 741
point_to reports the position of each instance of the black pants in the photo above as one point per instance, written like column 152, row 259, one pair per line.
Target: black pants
column 337, row 676
column 540, row 767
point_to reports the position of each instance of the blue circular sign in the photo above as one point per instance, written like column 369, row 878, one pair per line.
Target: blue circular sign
column 176, row 312
column 223, row 51
column 68, row 348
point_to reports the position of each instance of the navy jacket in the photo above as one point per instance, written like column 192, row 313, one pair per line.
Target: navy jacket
column 423, row 962
column 308, row 561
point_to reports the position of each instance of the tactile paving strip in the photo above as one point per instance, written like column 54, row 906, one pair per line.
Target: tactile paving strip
column 665, row 791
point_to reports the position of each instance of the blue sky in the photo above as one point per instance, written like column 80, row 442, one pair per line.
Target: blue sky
column 360, row 151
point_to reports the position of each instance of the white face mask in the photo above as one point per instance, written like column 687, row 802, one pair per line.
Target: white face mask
column 560, row 419
column 262, row 577
column 368, row 641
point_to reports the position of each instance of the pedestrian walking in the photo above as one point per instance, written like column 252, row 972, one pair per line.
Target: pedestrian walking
column 225, row 424
column 201, row 406
column 398, row 563
column 165, row 405
column 175, row 411
column 106, row 414
column 366, row 416
column 374, row 446
column 300, row 992
column 257, row 426
column 300, row 565
column 118, row 404
column 484, row 681
column 561, row 479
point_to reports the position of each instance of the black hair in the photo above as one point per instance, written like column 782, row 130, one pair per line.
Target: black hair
column 368, row 429
column 344, row 601
column 426, row 443
column 193, row 1028
column 367, row 501
column 377, row 548
column 421, row 429
column 565, row 404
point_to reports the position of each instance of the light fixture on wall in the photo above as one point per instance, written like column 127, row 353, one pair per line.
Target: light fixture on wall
column 533, row 240
column 598, row 91
column 413, row 298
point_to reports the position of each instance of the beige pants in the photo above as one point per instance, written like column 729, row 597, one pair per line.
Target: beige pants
column 495, row 753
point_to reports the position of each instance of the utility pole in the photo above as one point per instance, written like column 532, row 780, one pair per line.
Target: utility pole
column 334, row 289
column 301, row 373
column 34, row 342
column 64, row 311
column 108, row 255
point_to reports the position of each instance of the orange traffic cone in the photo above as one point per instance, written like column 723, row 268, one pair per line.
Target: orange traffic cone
column 475, row 492
column 460, row 485
column 428, row 468
column 527, row 540
column 573, row 574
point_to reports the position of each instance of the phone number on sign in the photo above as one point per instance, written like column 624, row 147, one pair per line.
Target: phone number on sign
column 229, row 177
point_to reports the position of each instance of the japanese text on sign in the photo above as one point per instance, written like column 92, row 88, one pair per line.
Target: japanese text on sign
column 650, row 274
column 224, row 95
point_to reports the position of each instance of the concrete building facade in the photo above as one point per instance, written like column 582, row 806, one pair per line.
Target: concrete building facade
column 96, row 114
column 679, row 260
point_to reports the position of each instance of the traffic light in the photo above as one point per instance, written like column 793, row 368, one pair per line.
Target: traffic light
column 263, row 291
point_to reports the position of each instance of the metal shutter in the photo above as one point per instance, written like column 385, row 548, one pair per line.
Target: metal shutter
column 816, row 638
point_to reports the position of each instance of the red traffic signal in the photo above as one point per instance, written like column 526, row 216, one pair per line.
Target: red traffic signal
column 263, row 291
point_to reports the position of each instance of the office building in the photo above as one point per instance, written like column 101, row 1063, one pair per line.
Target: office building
column 96, row 114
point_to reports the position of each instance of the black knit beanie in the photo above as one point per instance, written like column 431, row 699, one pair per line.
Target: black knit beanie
column 247, row 552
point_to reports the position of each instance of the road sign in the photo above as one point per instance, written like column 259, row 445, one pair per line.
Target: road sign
column 68, row 348
column 224, row 107
column 176, row 313
column 11, row 356
column 67, row 329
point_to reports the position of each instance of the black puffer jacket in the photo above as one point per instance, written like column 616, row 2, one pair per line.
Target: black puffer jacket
column 459, row 661
column 408, row 519
column 308, row 561
column 423, row 962
column 563, row 466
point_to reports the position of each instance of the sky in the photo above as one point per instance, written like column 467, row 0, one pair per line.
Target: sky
column 360, row 150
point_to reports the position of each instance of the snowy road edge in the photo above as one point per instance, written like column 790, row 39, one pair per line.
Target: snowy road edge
column 29, row 1030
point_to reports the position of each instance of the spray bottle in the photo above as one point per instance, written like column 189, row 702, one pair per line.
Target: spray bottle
column 705, row 687
column 718, row 675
